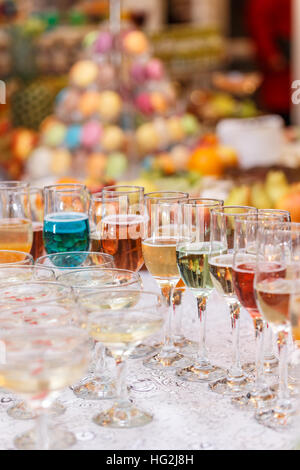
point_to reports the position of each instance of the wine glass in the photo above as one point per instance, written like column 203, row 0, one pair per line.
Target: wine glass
column 275, row 284
column 119, row 222
column 164, row 212
column 223, row 225
column 74, row 260
column 99, row 384
column 36, row 200
column 121, row 319
column 66, row 223
column 15, row 220
column 15, row 258
column 39, row 362
column 192, row 260
column 257, row 394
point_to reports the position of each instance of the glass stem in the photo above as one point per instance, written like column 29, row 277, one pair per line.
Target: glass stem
column 259, row 352
column 283, row 392
column 42, row 436
column 268, row 343
column 177, row 299
column 202, row 352
column 235, row 370
column 100, row 358
column 167, row 291
column 122, row 392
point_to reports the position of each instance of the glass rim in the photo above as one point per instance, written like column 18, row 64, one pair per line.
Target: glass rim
column 14, row 183
column 162, row 195
column 220, row 211
column 135, row 278
column 65, row 290
column 118, row 290
column 67, row 187
column 130, row 189
column 207, row 202
column 28, row 257
column 109, row 258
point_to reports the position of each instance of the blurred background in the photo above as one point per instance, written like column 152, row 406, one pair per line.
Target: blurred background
column 191, row 94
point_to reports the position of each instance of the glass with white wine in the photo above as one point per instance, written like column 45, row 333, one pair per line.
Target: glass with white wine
column 99, row 384
column 192, row 260
column 223, row 226
column 162, row 235
column 121, row 319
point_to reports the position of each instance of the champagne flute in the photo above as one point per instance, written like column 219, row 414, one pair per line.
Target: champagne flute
column 15, row 220
column 99, row 385
column 192, row 260
column 279, row 249
column 223, row 226
column 121, row 319
column 66, row 223
column 159, row 251
column 39, row 362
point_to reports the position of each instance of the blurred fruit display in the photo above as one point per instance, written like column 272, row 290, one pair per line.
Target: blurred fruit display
column 119, row 102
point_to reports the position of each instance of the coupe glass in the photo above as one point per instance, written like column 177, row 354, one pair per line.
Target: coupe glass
column 15, row 220
column 223, row 226
column 39, row 362
column 121, row 319
column 192, row 260
column 99, row 384
column 279, row 251
column 66, row 223
column 10, row 274
column 164, row 232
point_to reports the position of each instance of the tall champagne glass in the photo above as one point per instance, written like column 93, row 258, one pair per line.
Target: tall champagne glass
column 15, row 219
column 66, row 223
column 164, row 232
column 99, row 384
column 279, row 249
column 36, row 200
column 39, row 362
column 192, row 260
column 121, row 224
column 223, row 226
column 121, row 319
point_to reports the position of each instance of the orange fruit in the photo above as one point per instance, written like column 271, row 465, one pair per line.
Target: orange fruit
column 206, row 160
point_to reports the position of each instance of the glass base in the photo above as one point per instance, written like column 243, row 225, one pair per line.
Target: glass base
column 22, row 411
column 123, row 416
column 270, row 367
column 201, row 372
column 162, row 361
column 230, row 386
column 276, row 418
column 58, row 439
column 142, row 350
column 256, row 398
column 95, row 388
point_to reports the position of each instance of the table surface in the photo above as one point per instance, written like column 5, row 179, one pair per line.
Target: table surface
column 187, row 416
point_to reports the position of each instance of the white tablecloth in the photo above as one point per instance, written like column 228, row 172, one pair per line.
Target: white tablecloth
column 187, row 416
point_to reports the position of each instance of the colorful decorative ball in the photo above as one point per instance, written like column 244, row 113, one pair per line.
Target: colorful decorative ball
column 90, row 39
column 103, row 43
column 91, row 134
column 138, row 72
column 175, row 129
column 180, row 155
column 159, row 102
column 54, row 134
column 144, row 104
column 113, row 138
column 109, row 106
column 135, row 42
column 107, row 76
column 116, row 165
column 147, row 138
column 161, row 128
column 154, row 69
column 89, row 103
column 73, row 136
column 61, row 162
column 84, row 73
column 190, row 124
column 96, row 165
